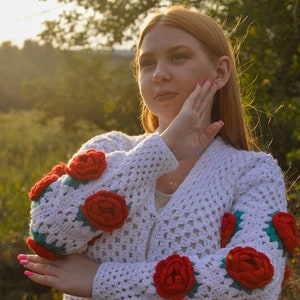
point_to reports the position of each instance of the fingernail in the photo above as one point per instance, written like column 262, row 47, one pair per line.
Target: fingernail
column 205, row 80
column 22, row 256
column 196, row 83
column 27, row 273
column 24, row 262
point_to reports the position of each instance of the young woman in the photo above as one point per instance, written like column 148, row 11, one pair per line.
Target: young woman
column 186, row 210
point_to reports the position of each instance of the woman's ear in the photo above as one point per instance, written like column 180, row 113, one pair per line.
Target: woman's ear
column 223, row 69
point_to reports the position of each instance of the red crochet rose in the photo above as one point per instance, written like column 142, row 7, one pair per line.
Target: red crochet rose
column 287, row 274
column 252, row 269
column 105, row 210
column 174, row 277
column 87, row 166
column 40, row 250
column 59, row 169
column 286, row 228
column 227, row 228
column 38, row 189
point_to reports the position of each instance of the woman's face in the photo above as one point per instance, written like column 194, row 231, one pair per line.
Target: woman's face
column 171, row 61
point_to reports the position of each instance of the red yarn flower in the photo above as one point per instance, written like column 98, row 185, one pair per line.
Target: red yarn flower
column 227, row 228
column 39, row 188
column 174, row 277
column 286, row 227
column 59, row 169
column 250, row 268
column 105, row 210
column 40, row 250
column 87, row 166
column 287, row 274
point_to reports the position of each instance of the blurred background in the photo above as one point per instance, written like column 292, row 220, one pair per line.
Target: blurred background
column 65, row 76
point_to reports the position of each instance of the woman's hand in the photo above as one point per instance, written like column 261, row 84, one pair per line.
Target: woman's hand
column 191, row 132
column 71, row 274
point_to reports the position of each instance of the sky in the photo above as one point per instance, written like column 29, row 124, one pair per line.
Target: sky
column 22, row 19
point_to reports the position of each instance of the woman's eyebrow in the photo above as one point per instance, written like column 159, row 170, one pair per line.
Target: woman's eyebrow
column 169, row 50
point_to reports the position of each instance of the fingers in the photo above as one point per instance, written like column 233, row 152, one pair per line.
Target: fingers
column 205, row 95
column 206, row 138
column 200, row 100
column 47, row 280
column 211, row 131
column 37, row 265
column 71, row 274
column 32, row 258
column 38, row 269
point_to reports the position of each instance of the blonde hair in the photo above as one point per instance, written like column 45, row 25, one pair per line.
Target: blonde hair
column 227, row 103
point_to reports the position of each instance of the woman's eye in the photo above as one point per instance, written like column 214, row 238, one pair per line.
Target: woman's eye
column 178, row 56
column 146, row 63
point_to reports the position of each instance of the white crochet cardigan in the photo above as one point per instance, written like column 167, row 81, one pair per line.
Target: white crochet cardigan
column 223, row 180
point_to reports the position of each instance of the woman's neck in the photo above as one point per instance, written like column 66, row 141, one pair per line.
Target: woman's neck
column 169, row 182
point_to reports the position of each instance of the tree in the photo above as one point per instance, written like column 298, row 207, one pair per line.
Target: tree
column 101, row 22
column 20, row 65
column 90, row 87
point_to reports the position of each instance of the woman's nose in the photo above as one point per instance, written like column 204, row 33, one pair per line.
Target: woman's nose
column 161, row 73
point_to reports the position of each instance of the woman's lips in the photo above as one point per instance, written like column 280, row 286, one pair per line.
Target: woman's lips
column 165, row 95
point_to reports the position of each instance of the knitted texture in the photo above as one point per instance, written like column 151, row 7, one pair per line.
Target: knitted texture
column 229, row 197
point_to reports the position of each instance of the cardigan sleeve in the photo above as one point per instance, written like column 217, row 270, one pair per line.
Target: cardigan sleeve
column 96, row 195
column 250, row 264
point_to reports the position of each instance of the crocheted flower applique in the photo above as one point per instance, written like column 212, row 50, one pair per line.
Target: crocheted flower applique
column 286, row 276
column 249, row 268
column 85, row 167
column 283, row 230
column 42, row 186
column 174, row 278
column 37, row 243
column 229, row 226
column 103, row 210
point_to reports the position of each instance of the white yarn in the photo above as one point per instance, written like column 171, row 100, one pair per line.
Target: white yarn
column 223, row 180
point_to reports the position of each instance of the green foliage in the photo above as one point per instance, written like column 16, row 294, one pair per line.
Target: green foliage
column 18, row 65
column 96, row 87
column 102, row 23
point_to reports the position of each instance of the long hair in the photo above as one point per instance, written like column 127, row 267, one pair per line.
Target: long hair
column 227, row 105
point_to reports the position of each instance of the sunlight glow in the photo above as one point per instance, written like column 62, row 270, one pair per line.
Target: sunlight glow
column 21, row 20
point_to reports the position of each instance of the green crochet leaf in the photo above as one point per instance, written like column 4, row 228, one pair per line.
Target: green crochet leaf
column 193, row 291
column 238, row 286
column 73, row 182
column 40, row 238
column 223, row 265
column 238, row 214
column 81, row 218
column 271, row 231
column 38, row 200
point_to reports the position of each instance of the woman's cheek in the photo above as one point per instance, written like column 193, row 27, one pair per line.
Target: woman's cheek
column 145, row 89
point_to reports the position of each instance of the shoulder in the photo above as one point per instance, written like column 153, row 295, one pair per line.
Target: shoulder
column 113, row 141
column 242, row 161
